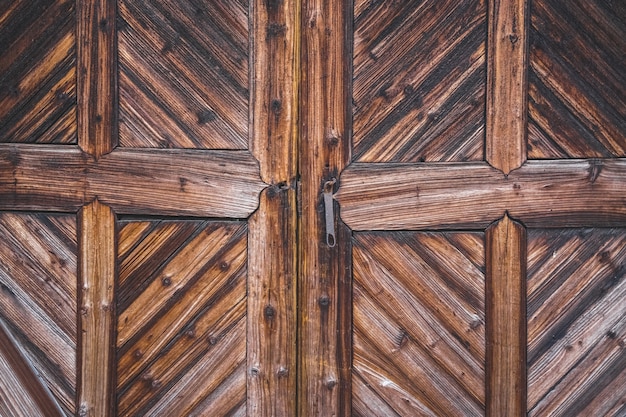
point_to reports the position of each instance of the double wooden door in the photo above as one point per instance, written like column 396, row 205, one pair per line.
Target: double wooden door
column 280, row 208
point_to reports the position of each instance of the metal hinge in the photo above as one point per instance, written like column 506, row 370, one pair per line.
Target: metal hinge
column 329, row 212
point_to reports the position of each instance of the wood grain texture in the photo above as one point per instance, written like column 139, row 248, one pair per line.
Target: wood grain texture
column 37, row 71
column 577, row 94
column 97, row 76
column 324, row 333
column 181, row 328
column 419, row 80
column 419, row 314
column 576, row 322
column 506, row 84
column 540, row 194
column 272, row 242
column 97, row 309
column 506, row 318
column 183, row 74
column 38, row 299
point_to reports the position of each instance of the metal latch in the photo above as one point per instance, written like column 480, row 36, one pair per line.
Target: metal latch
column 329, row 213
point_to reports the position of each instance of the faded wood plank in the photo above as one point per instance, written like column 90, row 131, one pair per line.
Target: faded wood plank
column 506, row 318
column 507, row 84
column 97, row 282
column 272, row 317
column 540, row 194
column 324, row 384
column 178, row 182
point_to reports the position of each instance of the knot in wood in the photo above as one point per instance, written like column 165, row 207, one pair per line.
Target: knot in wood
column 269, row 311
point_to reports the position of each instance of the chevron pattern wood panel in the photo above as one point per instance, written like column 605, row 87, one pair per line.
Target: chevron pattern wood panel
column 38, row 284
column 37, row 71
column 419, row 336
column 419, row 80
column 577, row 82
column 183, row 74
column 577, row 322
column 181, row 343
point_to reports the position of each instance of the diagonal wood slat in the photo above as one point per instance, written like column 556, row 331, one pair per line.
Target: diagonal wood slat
column 419, row 81
column 183, row 74
column 182, row 317
column 37, row 71
column 38, row 300
column 419, row 340
column 576, row 321
column 577, row 86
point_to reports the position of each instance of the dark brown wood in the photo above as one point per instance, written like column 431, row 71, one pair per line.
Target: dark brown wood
column 576, row 328
column 324, row 382
column 506, row 84
column 577, row 95
column 37, row 71
column 96, row 76
column 183, row 75
column 506, row 319
column 568, row 193
column 419, row 81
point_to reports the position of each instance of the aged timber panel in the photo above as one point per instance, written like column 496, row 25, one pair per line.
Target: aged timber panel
column 577, row 322
column 419, row 80
column 419, row 335
column 38, row 284
column 183, row 74
column 181, row 307
column 577, row 82
column 37, row 71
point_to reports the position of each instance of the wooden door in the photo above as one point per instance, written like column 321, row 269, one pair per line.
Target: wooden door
column 165, row 174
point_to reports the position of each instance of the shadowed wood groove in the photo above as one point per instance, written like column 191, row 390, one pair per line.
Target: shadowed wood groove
column 183, row 74
column 37, row 72
column 577, row 94
column 556, row 193
column 419, row 81
column 576, row 322
column 182, row 316
column 38, row 296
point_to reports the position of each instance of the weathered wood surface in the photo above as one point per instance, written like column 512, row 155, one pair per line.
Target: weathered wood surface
column 324, row 382
column 506, row 318
column 566, row 193
column 37, row 71
column 183, row 74
column 419, row 315
column 272, row 240
column 38, row 298
column 577, row 94
column 506, row 84
column 181, row 328
column 576, row 322
column 419, row 81
column 97, row 284
column 97, row 76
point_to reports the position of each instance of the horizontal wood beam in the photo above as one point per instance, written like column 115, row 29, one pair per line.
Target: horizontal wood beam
column 131, row 181
column 565, row 193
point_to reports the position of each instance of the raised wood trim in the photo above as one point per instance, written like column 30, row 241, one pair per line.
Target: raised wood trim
column 505, row 322
column 97, row 260
column 272, row 272
column 324, row 331
column 38, row 393
column 96, row 76
column 507, row 46
column 566, row 193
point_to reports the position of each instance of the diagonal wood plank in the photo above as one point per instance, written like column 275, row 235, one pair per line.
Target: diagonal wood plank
column 37, row 71
column 183, row 74
column 577, row 94
column 182, row 316
column 576, row 321
column 418, row 324
column 419, row 81
column 38, row 296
